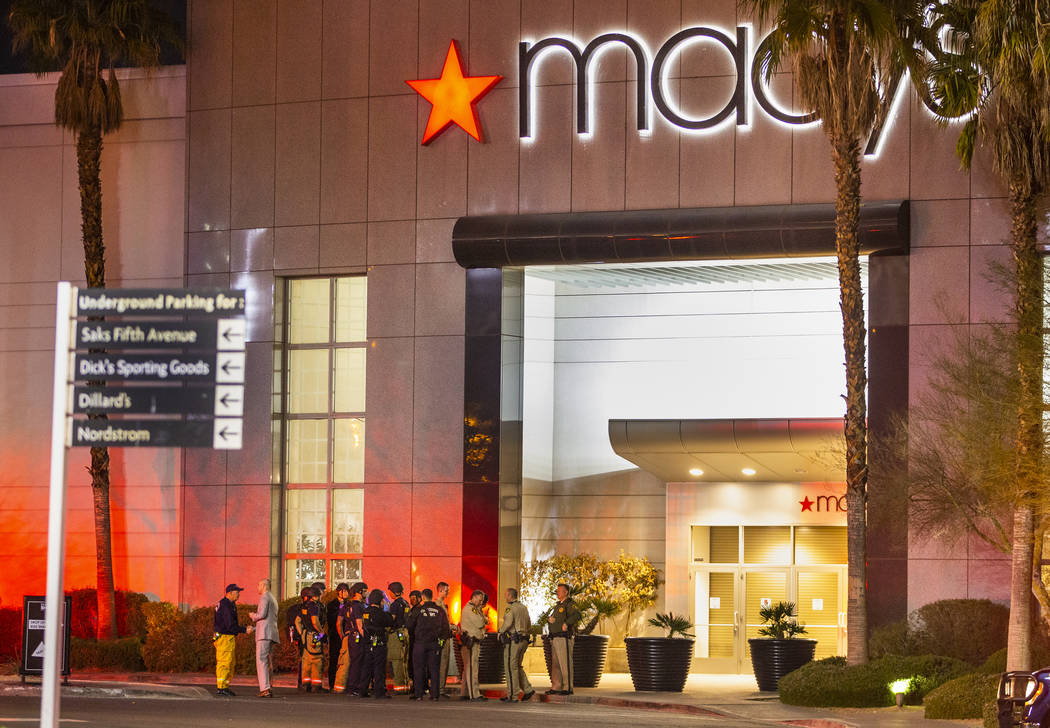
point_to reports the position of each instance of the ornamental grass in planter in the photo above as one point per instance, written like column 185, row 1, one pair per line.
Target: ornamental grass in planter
column 661, row 664
column 780, row 650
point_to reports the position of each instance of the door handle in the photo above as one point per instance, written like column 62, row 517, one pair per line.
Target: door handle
column 736, row 622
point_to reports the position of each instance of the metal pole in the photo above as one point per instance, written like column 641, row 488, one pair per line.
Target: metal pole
column 50, row 695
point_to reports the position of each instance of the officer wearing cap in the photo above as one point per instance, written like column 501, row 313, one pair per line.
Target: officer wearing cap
column 415, row 601
column 514, row 634
column 225, row 637
column 375, row 622
column 342, row 638
column 430, row 627
column 354, row 630
column 397, row 645
column 472, row 626
column 332, row 611
column 311, row 635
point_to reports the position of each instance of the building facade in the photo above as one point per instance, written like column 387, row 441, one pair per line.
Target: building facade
column 465, row 353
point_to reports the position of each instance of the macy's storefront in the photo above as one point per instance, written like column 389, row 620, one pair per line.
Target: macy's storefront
column 609, row 322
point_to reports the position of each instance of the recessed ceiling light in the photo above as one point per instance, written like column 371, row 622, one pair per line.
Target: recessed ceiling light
column 696, row 472
column 748, row 471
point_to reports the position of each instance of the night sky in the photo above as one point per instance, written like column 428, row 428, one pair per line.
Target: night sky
column 12, row 64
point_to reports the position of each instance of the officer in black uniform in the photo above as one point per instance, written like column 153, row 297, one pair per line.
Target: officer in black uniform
column 353, row 627
column 376, row 622
column 397, row 645
column 342, row 593
column 431, row 630
column 415, row 601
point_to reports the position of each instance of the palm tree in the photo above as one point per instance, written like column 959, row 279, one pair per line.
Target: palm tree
column 84, row 40
column 994, row 68
column 845, row 54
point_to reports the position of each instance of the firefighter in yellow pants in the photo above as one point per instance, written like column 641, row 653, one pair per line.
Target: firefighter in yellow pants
column 311, row 634
column 225, row 637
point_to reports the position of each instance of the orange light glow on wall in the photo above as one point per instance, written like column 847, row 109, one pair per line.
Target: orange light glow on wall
column 453, row 97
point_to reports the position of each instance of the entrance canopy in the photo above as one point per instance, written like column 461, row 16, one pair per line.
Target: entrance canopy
column 738, row 450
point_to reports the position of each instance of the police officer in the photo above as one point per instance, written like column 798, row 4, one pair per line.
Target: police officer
column 355, row 637
column 415, row 601
column 311, row 634
column 430, row 627
column 514, row 634
column 562, row 625
column 225, row 638
column 376, row 623
column 397, row 645
column 446, row 651
column 335, row 646
column 471, row 632
column 342, row 633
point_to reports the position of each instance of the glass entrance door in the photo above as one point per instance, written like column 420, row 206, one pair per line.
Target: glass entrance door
column 717, row 620
column 822, row 608
column 762, row 588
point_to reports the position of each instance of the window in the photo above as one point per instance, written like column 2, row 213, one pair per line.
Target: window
column 322, row 375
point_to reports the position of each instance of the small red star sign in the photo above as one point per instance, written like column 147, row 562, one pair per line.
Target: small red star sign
column 453, row 97
column 806, row 503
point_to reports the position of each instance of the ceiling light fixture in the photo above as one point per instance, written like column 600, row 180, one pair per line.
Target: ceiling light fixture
column 696, row 472
column 748, row 471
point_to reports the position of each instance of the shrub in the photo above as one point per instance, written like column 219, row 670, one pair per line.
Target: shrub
column 130, row 620
column 890, row 639
column 833, row 683
column 966, row 629
column 10, row 633
column 962, row 698
column 120, row 654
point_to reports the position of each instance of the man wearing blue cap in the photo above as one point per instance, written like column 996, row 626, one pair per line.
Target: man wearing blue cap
column 225, row 636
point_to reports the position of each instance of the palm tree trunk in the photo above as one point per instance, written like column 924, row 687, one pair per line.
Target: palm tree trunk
column 1028, row 309
column 89, row 152
column 846, row 157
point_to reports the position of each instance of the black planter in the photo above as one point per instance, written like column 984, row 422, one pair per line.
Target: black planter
column 588, row 658
column 659, row 664
column 772, row 659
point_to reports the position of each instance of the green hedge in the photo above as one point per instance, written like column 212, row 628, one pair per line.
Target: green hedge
column 966, row 629
column 962, row 698
column 833, row 683
column 124, row 654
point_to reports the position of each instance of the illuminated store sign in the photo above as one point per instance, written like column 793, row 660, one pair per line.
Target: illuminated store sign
column 454, row 95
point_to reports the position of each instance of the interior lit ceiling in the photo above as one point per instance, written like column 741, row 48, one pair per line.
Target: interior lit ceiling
column 629, row 275
column 727, row 451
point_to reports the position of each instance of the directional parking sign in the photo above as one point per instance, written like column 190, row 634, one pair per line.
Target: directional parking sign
column 185, row 368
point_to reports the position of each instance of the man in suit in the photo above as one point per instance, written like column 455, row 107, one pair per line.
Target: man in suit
column 265, row 619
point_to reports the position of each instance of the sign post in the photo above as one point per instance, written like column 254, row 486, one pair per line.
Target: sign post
column 184, row 376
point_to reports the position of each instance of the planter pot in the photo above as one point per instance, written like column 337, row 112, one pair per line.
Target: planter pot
column 588, row 658
column 772, row 659
column 659, row 664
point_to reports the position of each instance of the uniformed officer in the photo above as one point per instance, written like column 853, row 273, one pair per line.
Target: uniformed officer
column 471, row 632
column 335, row 643
column 514, row 634
column 397, row 645
column 355, row 637
column 376, row 623
column 342, row 632
column 430, row 627
column 225, row 637
column 446, row 651
column 311, row 633
column 562, row 624
column 415, row 601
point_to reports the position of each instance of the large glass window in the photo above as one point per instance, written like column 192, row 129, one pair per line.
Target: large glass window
column 323, row 386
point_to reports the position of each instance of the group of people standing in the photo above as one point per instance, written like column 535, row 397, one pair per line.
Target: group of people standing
column 365, row 631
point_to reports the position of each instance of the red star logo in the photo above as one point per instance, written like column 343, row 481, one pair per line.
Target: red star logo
column 453, row 97
column 807, row 504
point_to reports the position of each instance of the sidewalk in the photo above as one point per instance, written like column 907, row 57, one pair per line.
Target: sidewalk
column 704, row 695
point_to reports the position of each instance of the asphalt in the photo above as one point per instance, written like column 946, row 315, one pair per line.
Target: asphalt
column 732, row 697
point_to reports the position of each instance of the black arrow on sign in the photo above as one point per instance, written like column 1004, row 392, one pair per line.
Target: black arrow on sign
column 227, row 366
column 230, row 334
column 224, row 431
column 226, row 399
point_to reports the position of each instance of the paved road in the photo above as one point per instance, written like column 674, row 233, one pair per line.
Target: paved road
column 250, row 712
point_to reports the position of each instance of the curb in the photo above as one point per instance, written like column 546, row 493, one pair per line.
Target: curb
column 105, row 689
column 818, row 723
column 637, row 704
